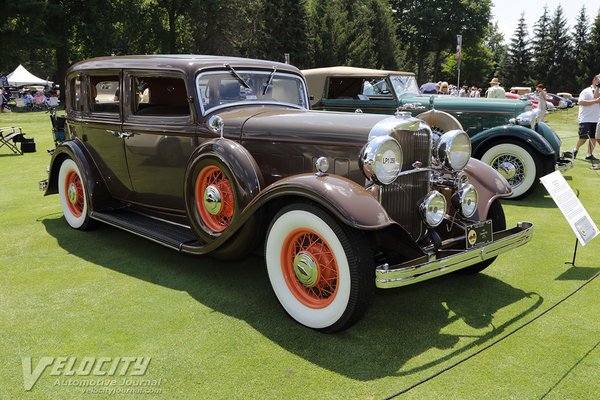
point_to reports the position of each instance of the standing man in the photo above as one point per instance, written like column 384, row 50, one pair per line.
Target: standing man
column 542, row 104
column 589, row 113
column 495, row 91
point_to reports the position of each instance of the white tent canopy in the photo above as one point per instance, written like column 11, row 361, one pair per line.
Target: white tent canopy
column 21, row 77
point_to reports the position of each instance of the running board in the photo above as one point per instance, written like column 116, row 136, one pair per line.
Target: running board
column 157, row 230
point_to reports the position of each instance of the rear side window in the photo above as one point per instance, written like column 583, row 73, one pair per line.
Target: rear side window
column 75, row 101
column 159, row 96
column 105, row 94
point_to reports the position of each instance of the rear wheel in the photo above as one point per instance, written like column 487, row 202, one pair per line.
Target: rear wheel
column 321, row 271
column 73, row 195
column 496, row 214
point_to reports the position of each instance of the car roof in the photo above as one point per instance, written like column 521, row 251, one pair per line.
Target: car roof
column 181, row 62
column 315, row 77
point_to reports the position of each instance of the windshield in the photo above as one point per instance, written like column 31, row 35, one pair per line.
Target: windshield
column 223, row 88
column 404, row 85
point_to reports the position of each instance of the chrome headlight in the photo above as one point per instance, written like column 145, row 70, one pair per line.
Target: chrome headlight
column 433, row 208
column 528, row 118
column 453, row 149
column 466, row 200
column 381, row 159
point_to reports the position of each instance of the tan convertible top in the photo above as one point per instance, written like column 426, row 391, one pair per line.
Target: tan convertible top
column 315, row 78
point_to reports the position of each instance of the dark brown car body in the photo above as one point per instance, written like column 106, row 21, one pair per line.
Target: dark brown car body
column 142, row 172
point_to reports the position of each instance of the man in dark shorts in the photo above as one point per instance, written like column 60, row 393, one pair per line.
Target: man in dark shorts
column 589, row 113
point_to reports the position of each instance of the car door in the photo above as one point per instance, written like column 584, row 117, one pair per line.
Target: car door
column 102, row 130
column 159, row 136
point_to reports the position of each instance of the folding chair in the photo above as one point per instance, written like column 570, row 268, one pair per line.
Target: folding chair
column 9, row 137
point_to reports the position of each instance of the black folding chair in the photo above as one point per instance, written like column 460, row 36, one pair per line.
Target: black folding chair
column 10, row 136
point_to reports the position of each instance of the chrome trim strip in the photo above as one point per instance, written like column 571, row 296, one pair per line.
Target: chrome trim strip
column 407, row 273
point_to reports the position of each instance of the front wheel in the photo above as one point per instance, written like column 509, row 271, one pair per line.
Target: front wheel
column 321, row 271
column 517, row 164
column 496, row 214
column 73, row 195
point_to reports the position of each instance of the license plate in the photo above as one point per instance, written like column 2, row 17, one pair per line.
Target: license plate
column 479, row 233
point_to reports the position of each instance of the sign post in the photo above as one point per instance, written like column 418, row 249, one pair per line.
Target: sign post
column 458, row 56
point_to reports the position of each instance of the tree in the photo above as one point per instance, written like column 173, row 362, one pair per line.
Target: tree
column 542, row 47
column 580, row 40
column 429, row 27
column 518, row 63
column 592, row 52
column 560, row 71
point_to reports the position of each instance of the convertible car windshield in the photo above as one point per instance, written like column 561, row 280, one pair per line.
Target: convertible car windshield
column 217, row 89
column 404, row 85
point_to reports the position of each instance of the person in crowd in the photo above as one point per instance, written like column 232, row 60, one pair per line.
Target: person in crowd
column 28, row 99
column 6, row 99
column 444, row 88
column 463, row 92
column 542, row 104
column 589, row 114
column 495, row 91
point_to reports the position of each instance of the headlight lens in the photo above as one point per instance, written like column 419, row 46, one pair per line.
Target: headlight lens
column 453, row 149
column 381, row 159
column 466, row 200
column 433, row 208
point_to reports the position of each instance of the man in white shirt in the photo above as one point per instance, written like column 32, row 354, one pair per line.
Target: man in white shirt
column 589, row 113
column 495, row 91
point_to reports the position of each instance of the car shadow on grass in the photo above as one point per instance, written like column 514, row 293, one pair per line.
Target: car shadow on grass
column 406, row 331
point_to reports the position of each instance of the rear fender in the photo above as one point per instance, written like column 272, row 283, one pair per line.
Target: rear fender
column 99, row 197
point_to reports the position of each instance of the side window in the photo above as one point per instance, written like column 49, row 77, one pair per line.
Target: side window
column 159, row 96
column 76, row 103
column 104, row 94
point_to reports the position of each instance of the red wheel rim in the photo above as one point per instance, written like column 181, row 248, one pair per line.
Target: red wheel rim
column 74, row 193
column 314, row 288
column 215, row 177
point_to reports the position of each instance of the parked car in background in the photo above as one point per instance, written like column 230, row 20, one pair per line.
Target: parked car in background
column 568, row 96
column 513, row 96
column 221, row 155
column 520, row 90
column 556, row 101
column 504, row 134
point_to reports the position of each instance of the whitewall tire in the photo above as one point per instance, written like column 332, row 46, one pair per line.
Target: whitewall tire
column 73, row 195
column 517, row 164
column 321, row 272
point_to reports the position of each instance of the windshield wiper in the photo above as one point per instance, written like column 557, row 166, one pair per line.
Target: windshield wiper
column 239, row 78
column 270, row 80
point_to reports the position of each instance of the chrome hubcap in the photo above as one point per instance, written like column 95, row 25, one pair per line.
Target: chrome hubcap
column 212, row 200
column 72, row 193
column 306, row 269
column 507, row 170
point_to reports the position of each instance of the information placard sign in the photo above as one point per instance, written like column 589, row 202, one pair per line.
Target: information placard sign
column 576, row 215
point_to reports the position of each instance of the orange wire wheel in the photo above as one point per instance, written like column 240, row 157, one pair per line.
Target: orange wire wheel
column 309, row 268
column 215, row 200
column 75, row 197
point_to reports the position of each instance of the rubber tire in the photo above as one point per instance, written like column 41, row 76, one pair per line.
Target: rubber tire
column 496, row 214
column 527, row 158
column 81, row 222
column 356, row 269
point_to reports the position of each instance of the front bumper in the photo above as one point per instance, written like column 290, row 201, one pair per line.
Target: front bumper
column 565, row 162
column 450, row 260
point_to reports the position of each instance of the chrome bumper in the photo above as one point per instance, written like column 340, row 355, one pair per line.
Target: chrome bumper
column 565, row 162
column 416, row 270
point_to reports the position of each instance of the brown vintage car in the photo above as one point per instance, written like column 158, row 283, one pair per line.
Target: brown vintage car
column 217, row 155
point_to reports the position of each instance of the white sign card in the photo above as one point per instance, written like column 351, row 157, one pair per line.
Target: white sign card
column 582, row 224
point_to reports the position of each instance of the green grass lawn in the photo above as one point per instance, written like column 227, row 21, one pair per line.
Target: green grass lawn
column 214, row 330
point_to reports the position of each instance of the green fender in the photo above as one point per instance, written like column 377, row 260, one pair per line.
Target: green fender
column 499, row 134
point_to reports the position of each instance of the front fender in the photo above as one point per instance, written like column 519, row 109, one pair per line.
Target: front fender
column 550, row 136
column 480, row 141
column 350, row 202
column 489, row 183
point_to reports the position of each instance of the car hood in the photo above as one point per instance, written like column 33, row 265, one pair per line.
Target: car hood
column 484, row 105
column 302, row 125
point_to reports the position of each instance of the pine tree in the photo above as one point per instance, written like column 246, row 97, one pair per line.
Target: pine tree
column 580, row 37
column 542, row 47
column 560, row 71
column 518, row 61
column 592, row 57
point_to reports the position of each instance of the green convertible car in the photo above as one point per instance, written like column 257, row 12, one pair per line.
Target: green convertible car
column 504, row 133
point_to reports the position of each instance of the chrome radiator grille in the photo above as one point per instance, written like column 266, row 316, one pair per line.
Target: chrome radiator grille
column 401, row 199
